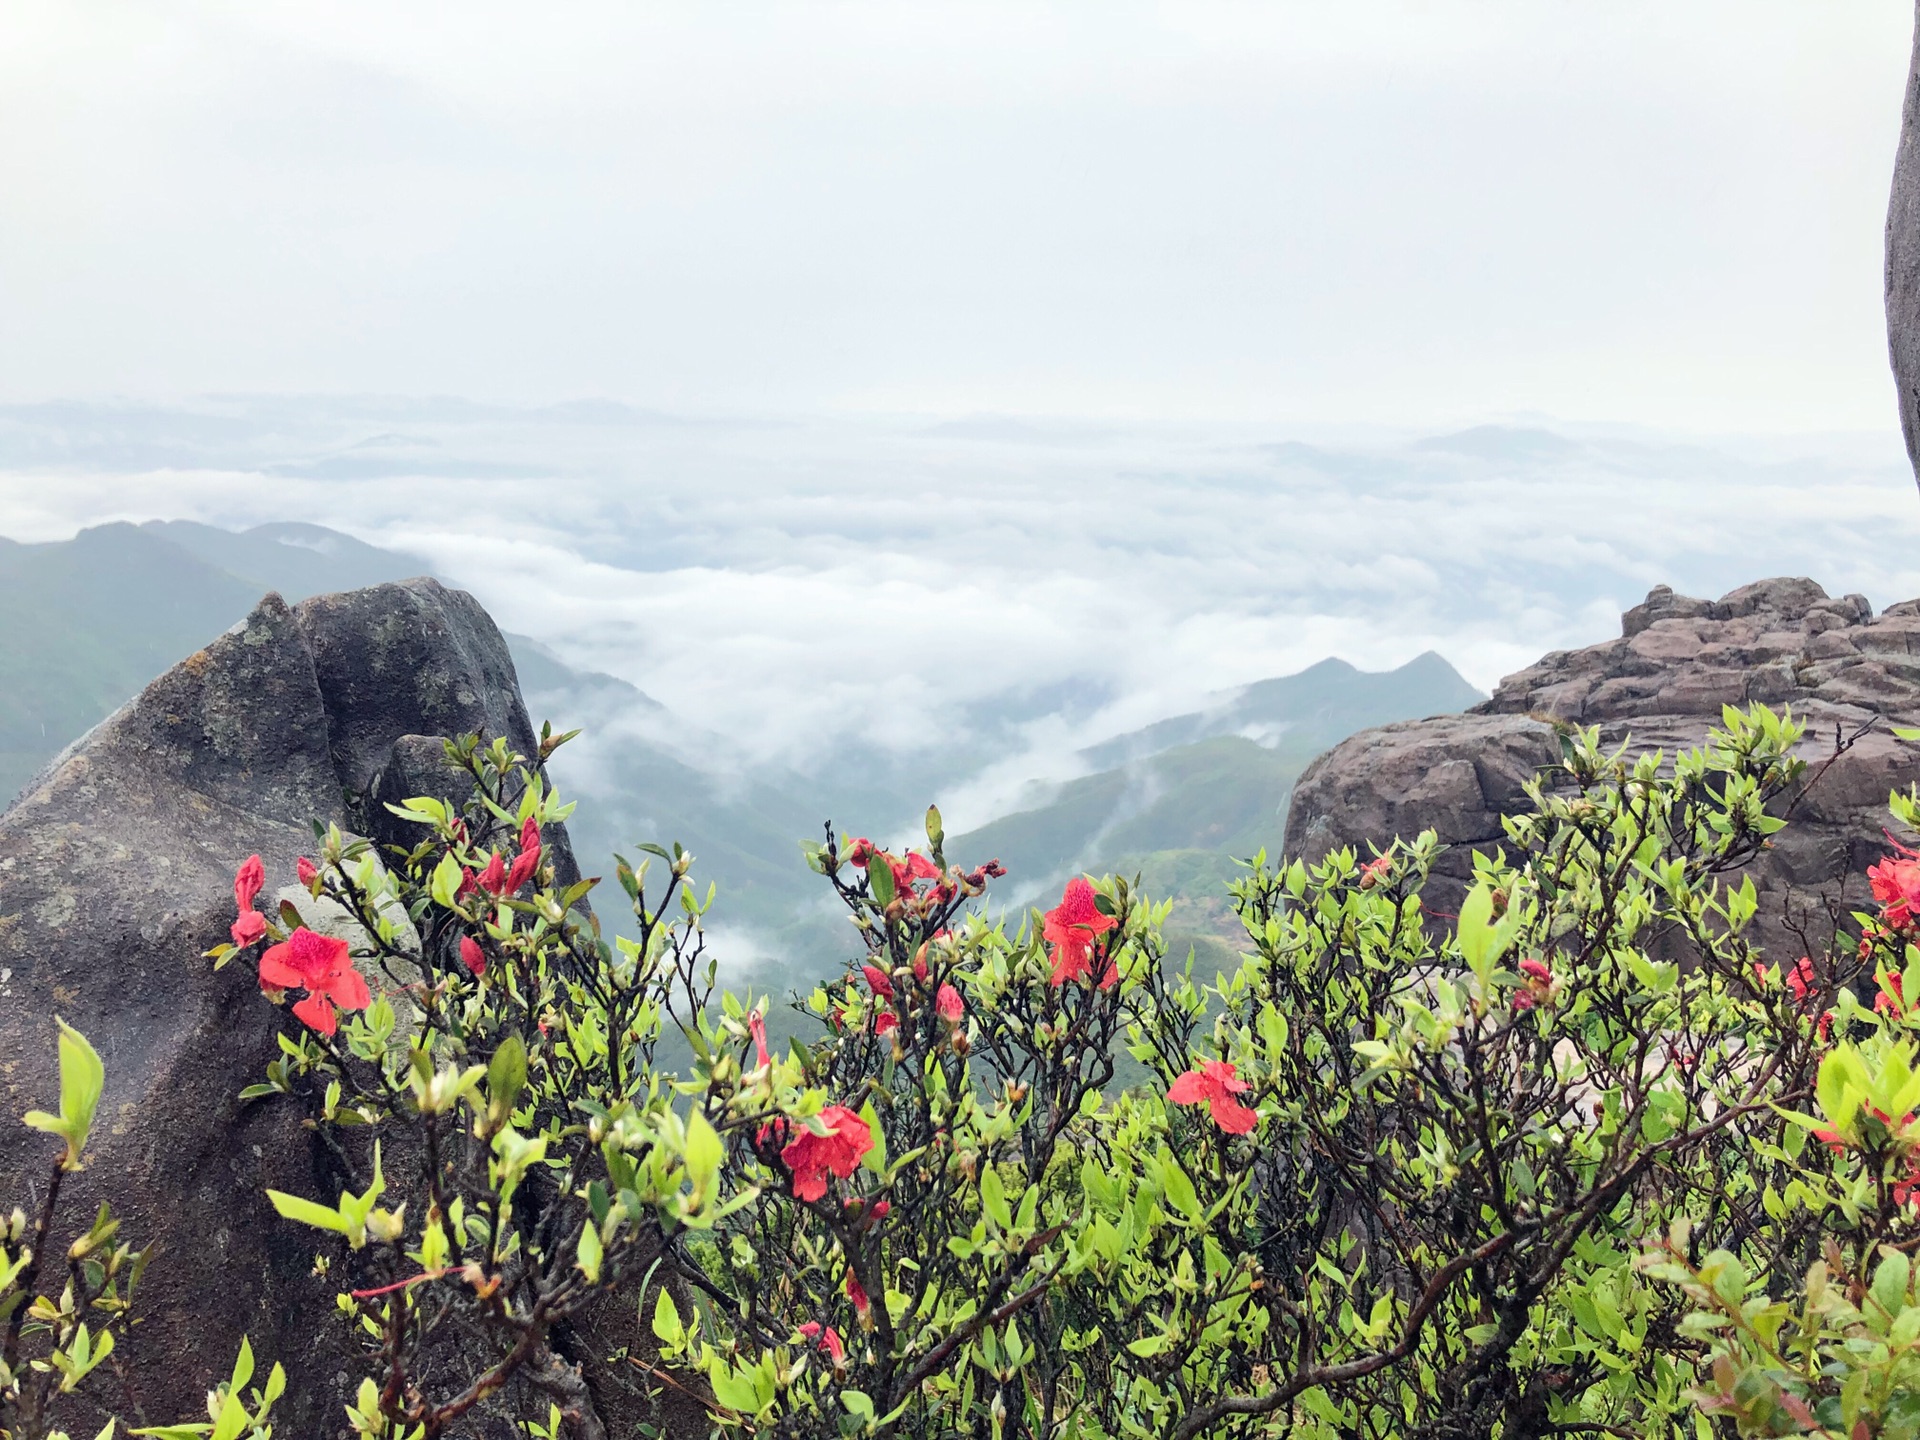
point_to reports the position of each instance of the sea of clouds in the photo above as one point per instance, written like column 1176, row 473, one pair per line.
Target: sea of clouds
column 791, row 588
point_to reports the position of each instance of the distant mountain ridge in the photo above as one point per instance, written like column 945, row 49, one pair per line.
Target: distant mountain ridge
column 1216, row 780
column 1323, row 703
column 98, row 616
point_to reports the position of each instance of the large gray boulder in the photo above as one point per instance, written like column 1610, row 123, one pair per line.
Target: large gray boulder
column 1903, row 260
column 1678, row 660
column 116, row 872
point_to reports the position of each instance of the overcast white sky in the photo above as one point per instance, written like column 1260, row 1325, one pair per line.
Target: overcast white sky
column 1403, row 213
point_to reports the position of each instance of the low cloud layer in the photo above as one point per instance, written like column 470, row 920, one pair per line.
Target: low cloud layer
column 797, row 589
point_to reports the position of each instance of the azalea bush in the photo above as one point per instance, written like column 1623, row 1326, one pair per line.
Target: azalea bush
column 1535, row 1168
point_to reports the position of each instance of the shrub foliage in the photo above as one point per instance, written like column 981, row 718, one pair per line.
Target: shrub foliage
column 1577, row 1159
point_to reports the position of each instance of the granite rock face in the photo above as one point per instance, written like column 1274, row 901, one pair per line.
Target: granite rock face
column 116, row 872
column 1782, row 642
column 1903, row 260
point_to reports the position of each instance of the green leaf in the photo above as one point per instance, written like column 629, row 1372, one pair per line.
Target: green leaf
column 666, row 1321
column 880, row 879
column 233, row 1419
column 589, row 1252
column 292, row 1207
column 703, row 1155
column 875, row 1159
column 242, row 1367
column 82, row 1077
column 506, row 1074
column 446, row 881
column 993, row 1197
column 1147, row 1346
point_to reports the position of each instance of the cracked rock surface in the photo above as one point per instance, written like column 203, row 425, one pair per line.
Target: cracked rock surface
column 1782, row 642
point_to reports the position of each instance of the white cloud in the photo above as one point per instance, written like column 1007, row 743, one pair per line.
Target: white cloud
column 797, row 591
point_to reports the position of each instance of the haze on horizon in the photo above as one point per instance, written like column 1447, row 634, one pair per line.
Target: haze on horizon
column 1381, row 212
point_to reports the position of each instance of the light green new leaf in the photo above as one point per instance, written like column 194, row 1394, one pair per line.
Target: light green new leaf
column 321, row 1217
column 82, row 1077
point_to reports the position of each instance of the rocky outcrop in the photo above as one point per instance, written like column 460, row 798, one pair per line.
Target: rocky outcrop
column 116, row 871
column 1678, row 661
column 1903, row 261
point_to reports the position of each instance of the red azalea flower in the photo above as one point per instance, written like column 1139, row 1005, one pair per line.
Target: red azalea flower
column 251, row 926
column 493, row 879
column 1896, row 885
column 878, row 981
column 1374, row 871
column 829, row 1339
column 1800, row 978
column 247, row 881
column 1216, row 1082
column 323, row 967
column 885, row 1022
column 1890, row 1001
column 1536, row 970
column 1907, row 1189
column 857, row 1293
column 811, row 1157
column 913, row 867
column 859, row 852
column 880, row 1209
column 951, row 1007
column 1832, row 1139
column 522, row 870
column 1824, row 1026
column 1070, row 928
column 306, row 870
column 757, row 1027
column 472, row 956
column 530, row 834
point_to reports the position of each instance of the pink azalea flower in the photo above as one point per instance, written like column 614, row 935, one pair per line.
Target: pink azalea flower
column 757, row 1027
column 323, row 967
column 1216, row 1083
column 1071, row 927
column 251, row 926
column 813, row 1157
column 247, row 882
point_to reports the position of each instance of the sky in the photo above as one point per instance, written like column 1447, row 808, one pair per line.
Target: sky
column 840, row 372
column 1404, row 214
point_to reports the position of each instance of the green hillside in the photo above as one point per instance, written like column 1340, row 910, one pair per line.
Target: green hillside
column 1185, row 797
column 93, row 619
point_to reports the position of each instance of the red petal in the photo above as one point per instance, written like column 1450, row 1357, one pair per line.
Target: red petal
column 1188, row 1089
column 347, row 989
column 276, row 973
column 472, row 956
column 522, row 871
column 1233, row 1117
column 316, row 1012
column 494, row 876
column 247, row 882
